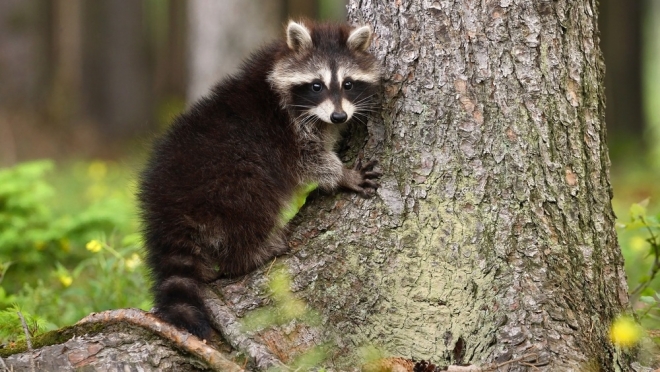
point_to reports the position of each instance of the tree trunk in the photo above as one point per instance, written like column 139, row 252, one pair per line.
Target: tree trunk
column 500, row 234
column 115, row 78
column 222, row 34
column 621, row 25
column 492, row 237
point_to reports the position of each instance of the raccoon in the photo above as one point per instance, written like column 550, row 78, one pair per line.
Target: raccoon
column 217, row 190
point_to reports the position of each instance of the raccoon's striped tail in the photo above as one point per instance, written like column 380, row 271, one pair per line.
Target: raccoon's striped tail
column 179, row 301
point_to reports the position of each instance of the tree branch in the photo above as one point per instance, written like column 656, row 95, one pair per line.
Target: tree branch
column 182, row 340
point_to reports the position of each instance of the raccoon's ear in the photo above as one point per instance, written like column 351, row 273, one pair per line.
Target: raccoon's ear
column 359, row 39
column 298, row 37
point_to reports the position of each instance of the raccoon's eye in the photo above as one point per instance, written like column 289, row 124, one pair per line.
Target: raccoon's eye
column 348, row 85
column 317, row 87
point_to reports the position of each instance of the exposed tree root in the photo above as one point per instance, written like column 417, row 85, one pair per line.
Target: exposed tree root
column 180, row 339
column 229, row 326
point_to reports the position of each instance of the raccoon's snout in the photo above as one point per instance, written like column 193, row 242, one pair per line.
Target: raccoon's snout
column 338, row 117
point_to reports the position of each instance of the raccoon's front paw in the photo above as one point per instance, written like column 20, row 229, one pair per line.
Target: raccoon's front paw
column 360, row 178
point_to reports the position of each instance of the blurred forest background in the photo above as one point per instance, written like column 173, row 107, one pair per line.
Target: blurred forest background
column 85, row 85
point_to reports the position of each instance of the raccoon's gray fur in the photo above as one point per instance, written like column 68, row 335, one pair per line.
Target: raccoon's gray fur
column 215, row 186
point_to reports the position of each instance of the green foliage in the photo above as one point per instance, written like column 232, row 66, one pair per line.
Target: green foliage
column 11, row 326
column 68, row 244
column 640, row 242
column 308, row 361
column 24, row 219
column 285, row 306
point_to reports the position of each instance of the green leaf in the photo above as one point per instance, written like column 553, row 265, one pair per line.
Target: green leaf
column 649, row 300
column 635, row 225
column 638, row 210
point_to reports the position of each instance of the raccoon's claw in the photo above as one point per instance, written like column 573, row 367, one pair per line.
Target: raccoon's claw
column 367, row 171
column 367, row 167
column 369, row 188
column 360, row 178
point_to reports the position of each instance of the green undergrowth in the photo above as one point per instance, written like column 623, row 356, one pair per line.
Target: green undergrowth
column 636, row 203
column 639, row 237
column 69, row 244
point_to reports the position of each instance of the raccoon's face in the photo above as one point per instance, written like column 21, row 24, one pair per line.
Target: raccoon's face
column 328, row 75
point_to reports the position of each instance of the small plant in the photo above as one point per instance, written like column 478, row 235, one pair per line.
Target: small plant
column 640, row 240
column 11, row 327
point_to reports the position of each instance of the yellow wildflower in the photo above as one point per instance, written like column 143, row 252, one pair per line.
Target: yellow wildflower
column 40, row 245
column 65, row 245
column 133, row 262
column 65, row 279
column 97, row 170
column 638, row 243
column 94, row 246
column 96, row 191
column 625, row 332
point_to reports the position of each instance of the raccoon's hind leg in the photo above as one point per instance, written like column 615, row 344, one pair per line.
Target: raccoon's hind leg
column 255, row 257
column 179, row 281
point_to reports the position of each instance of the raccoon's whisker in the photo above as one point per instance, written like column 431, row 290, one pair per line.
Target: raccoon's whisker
column 304, row 116
column 361, row 117
column 306, row 119
column 363, row 100
column 360, row 95
column 360, row 120
column 364, row 112
column 301, row 116
column 365, row 108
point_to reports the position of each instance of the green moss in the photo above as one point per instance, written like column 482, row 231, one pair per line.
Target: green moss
column 55, row 337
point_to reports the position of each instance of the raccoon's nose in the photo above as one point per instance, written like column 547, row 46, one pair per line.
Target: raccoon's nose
column 338, row 117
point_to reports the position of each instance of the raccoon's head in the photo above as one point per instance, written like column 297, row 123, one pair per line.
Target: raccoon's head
column 327, row 73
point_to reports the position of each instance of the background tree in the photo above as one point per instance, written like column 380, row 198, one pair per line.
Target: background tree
column 221, row 34
column 621, row 28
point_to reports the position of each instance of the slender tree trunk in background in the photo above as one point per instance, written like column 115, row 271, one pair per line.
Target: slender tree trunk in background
column 621, row 27
column 24, row 71
column 67, row 61
column 170, row 56
column 23, row 53
column 223, row 33
column 116, row 78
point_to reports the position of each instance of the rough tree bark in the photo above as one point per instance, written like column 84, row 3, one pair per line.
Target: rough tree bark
column 495, row 137
column 492, row 237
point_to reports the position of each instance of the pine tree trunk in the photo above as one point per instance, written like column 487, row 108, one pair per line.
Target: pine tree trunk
column 492, row 237
column 499, row 238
